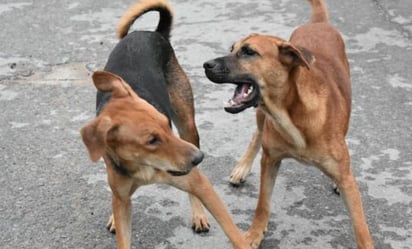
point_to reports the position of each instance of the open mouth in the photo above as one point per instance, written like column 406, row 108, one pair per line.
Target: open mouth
column 246, row 95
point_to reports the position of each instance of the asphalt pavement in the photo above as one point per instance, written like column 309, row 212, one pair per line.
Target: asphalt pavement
column 53, row 196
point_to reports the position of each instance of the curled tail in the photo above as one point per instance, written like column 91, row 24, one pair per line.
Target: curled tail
column 319, row 11
column 143, row 6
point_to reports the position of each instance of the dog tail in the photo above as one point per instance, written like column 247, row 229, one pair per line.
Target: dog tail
column 135, row 11
column 319, row 11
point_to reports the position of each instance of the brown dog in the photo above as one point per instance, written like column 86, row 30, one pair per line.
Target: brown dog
column 302, row 90
column 132, row 130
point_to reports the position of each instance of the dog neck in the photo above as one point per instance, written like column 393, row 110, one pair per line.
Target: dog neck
column 117, row 166
column 277, row 108
column 282, row 122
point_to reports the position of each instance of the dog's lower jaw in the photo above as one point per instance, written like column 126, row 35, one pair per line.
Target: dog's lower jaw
column 234, row 107
column 238, row 109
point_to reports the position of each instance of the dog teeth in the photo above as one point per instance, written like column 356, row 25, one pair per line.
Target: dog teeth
column 249, row 89
column 248, row 92
column 231, row 102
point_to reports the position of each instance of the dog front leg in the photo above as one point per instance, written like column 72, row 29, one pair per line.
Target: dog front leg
column 120, row 221
column 200, row 223
column 244, row 165
column 122, row 215
column 197, row 184
column 269, row 169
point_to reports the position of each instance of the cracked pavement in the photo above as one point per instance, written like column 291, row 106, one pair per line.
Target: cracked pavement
column 52, row 196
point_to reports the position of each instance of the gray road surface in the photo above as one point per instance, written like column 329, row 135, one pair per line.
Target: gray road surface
column 52, row 196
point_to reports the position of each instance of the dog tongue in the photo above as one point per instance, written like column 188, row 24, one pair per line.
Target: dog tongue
column 241, row 93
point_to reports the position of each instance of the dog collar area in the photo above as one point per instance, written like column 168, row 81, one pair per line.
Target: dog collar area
column 118, row 167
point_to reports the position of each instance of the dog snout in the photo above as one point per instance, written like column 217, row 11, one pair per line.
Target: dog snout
column 198, row 158
column 216, row 70
column 209, row 65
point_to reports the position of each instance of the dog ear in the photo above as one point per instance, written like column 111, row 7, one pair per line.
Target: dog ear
column 93, row 136
column 294, row 56
column 109, row 82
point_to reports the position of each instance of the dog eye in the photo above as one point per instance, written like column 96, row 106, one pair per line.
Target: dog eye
column 247, row 51
column 153, row 141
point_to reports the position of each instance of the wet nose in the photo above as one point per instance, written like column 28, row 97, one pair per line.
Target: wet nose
column 197, row 158
column 209, row 64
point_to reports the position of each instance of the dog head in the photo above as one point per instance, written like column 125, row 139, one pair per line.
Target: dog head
column 258, row 65
column 134, row 133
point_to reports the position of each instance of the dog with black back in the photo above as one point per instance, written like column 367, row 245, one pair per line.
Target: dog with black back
column 141, row 91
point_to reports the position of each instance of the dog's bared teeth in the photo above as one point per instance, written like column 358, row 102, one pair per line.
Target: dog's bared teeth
column 251, row 88
column 248, row 91
column 242, row 93
column 231, row 103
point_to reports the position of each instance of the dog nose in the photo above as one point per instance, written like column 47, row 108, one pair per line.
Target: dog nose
column 209, row 64
column 197, row 158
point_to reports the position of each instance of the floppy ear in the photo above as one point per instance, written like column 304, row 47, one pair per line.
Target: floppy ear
column 93, row 136
column 294, row 56
column 109, row 82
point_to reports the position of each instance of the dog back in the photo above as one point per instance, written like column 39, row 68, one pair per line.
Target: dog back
column 141, row 60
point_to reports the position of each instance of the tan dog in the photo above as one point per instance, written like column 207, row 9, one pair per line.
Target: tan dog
column 302, row 90
column 132, row 130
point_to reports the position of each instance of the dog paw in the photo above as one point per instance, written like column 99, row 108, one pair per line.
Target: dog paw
column 254, row 238
column 336, row 189
column 200, row 224
column 110, row 225
column 236, row 182
column 239, row 174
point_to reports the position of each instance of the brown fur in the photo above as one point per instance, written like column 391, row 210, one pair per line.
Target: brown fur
column 139, row 147
column 137, row 10
column 303, row 111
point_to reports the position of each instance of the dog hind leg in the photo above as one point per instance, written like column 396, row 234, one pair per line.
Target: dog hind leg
column 352, row 198
column 181, row 98
column 341, row 173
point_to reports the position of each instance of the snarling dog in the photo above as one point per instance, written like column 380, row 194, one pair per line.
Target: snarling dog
column 140, row 92
column 302, row 91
